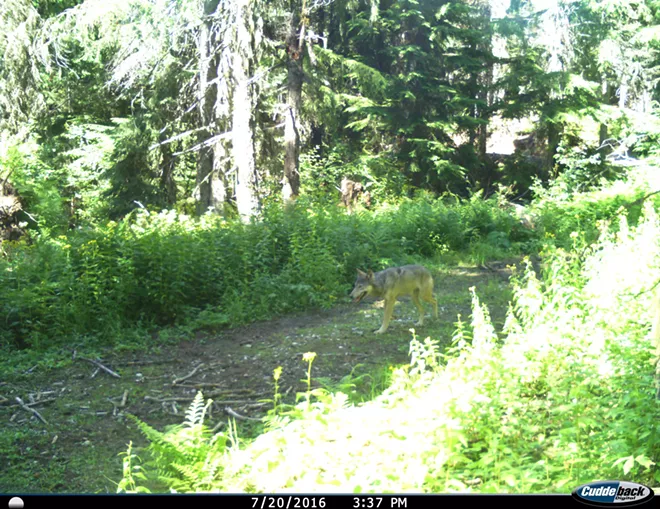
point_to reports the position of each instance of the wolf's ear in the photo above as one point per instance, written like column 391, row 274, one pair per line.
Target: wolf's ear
column 360, row 273
column 370, row 275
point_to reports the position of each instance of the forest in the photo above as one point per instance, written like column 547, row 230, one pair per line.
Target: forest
column 190, row 188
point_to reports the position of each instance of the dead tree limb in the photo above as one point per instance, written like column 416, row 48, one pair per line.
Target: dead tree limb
column 31, row 410
column 101, row 366
column 239, row 416
column 189, row 375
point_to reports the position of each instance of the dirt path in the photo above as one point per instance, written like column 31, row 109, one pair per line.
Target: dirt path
column 85, row 407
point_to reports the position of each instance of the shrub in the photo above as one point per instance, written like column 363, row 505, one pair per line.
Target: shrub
column 157, row 269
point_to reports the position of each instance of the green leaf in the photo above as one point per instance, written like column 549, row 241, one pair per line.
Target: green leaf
column 628, row 465
column 563, row 482
column 644, row 461
column 510, row 480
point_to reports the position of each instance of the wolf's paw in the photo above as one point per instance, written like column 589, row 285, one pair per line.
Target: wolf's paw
column 419, row 323
column 380, row 331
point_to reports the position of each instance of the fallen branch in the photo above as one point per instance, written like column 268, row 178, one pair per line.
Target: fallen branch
column 32, row 410
column 101, row 366
column 233, row 402
column 123, row 398
column 214, row 384
column 165, row 400
column 239, row 416
column 258, row 405
column 114, row 406
column 189, row 375
column 35, row 403
column 143, row 363
column 183, row 399
column 41, row 393
column 225, row 394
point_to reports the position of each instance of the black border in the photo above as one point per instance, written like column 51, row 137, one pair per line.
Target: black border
column 279, row 501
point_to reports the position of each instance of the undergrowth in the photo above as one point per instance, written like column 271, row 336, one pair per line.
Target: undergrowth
column 566, row 398
column 152, row 270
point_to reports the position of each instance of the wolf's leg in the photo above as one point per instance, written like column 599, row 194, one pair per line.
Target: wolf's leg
column 420, row 308
column 389, row 307
column 427, row 296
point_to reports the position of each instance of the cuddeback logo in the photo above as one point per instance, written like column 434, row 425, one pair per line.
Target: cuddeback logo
column 619, row 493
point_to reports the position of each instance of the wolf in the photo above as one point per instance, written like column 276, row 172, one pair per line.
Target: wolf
column 388, row 284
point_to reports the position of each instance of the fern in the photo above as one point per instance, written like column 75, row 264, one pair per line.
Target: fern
column 186, row 458
column 197, row 411
column 153, row 435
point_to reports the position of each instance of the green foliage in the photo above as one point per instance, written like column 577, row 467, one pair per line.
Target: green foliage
column 564, row 396
column 185, row 458
column 396, row 92
column 161, row 269
column 561, row 212
column 38, row 186
column 130, row 178
column 167, row 268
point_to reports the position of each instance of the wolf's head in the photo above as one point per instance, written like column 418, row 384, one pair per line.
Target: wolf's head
column 363, row 285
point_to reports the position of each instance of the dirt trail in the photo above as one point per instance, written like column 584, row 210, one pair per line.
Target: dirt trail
column 84, row 406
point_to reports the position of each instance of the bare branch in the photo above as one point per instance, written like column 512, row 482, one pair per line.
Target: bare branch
column 189, row 375
column 239, row 416
column 205, row 143
column 32, row 410
column 101, row 366
column 177, row 137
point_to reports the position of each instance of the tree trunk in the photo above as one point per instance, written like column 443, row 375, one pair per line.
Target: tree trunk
column 208, row 71
column 486, row 88
column 291, row 182
column 219, row 185
column 603, row 133
column 474, row 92
column 553, row 137
column 167, row 184
column 247, row 201
column 623, row 95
